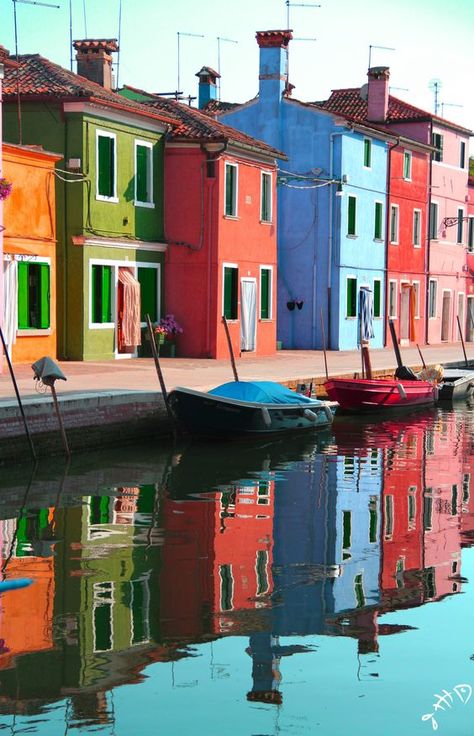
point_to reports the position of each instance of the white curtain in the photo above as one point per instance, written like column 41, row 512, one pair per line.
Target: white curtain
column 10, row 302
column 248, row 315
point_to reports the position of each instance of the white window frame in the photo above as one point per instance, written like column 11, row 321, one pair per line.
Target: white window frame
column 99, row 133
column 157, row 267
column 417, row 286
column 380, row 316
column 354, row 234
column 114, row 267
column 435, row 282
column 470, row 234
column 462, row 154
column 396, row 208
column 368, row 140
column 407, row 156
column 270, row 197
column 434, row 203
column 263, row 267
column 149, row 146
column 381, row 238
column 460, row 242
column 235, row 212
column 417, row 232
column 393, row 284
column 351, row 278
column 224, row 266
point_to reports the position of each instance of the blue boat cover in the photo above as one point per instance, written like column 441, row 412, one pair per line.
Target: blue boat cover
column 263, row 392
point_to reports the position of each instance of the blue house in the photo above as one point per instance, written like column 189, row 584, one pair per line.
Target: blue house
column 331, row 207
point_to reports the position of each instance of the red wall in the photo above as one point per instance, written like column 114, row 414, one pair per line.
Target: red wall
column 194, row 214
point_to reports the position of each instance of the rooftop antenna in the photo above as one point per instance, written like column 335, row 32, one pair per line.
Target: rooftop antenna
column 296, row 5
column 372, row 46
column 118, row 38
column 71, row 60
column 180, row 33
column 219, row 39
column 435, row 86
column 448, row 104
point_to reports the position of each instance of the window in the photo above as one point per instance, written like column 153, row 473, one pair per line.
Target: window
column 411, row 508
column 227, row 587
column 266, row 198
column 392, row 299
column 351, row 214
column 106, row 166
column 378, row 221
column 231, row 274
column 346, row 535
column 434, row 220
column 394, row 223
column 265, row 293
column 462, row 155
column 416, row 289
column 33, row 296
column 230, row 207
column 377, row 297
column 373, row 519
column 433, row 287
column 388, row 521
column 143, row 173
column 351, row 307
column 103, row 600
column 460, row 226
column 367, row 153
column 140, row 611
column 437, row 142
column 470, row 235
column 428, row 509
column 148, row 280
column 407, row 165
column 417, row 228
column 101, row 294
column 261, row 567
column 359, row 591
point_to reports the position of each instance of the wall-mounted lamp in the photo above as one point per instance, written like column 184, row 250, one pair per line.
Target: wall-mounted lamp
column 339, row 192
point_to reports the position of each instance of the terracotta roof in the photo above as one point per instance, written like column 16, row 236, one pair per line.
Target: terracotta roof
column 39, row 78
column 108, row 44
column 349, row 103
column 217, row 106
column 197, row 125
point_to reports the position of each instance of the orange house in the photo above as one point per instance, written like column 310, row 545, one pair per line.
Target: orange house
column 29, row 253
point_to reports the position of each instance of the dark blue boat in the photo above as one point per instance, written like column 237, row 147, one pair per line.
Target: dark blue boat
column 249, row 408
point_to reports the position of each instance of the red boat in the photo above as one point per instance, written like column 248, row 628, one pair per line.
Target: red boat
column 380, row 394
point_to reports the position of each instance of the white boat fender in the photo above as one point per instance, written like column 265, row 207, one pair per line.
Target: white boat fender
column 266, row 417
column 310, row 415
column 401, row 391
column 329, row 414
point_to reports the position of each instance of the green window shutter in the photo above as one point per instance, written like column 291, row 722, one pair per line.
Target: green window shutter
column 230, row 182
column 367, row 153
column 106, row 166
column 266, row 194
column 351, row 298
column 230, row 293
column 265, row 293
column 377, row 288
column 142, row 153
column 351, row 215
column 147, row 278
column 101, row 306
column 378, row 221
column 23, row 316
column 346, row 529
column 106, row 294
column 44, row 297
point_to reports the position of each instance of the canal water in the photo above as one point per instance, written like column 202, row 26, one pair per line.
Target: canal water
column 315, row 585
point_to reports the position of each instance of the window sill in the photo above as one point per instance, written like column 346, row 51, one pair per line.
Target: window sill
column 417, row 246
column 266, row 222
column 147, row 205
column 352, row 237
column 101, row 198
column 231, row 217
column 350, row 317
column 265, row 319
column 378, row 240
column 394, row 242
column 34, row 332
column 102, row 325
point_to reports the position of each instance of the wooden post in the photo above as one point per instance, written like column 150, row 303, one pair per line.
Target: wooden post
column 462, row 341
column 421, row 356
column 395, row 343
column 60, row 419
column 366, row 359
column 231, row 350
column 15, row 386
column 324, row 345
column 154, row 352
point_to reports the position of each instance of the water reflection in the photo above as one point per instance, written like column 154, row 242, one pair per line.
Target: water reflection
column 139, row 557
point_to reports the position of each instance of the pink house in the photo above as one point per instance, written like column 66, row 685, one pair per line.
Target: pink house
column 470, row 260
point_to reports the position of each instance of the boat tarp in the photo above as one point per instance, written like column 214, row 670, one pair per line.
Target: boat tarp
column 264, row 392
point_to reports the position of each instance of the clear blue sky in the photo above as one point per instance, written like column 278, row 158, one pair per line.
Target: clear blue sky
column 433, row 39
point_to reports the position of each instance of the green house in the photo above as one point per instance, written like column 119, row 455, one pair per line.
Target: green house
column 109, row 197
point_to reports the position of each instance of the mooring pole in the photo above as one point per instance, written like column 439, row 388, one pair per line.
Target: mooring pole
column 462, row 341
column 231, row 349
column 60, row 419
column 154, row 352
column 324, row 344
column 15, row 386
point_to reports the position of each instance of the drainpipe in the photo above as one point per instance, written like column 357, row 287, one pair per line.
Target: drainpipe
column 387, row 234
column 330, row 234
column 428, row 242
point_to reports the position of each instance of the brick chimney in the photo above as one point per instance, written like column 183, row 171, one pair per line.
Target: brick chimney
column 377, row 95
column 273, row 71
column 94, row 60
column 207, row 85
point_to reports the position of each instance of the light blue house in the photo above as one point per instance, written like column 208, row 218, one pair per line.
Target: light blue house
column 331, row 207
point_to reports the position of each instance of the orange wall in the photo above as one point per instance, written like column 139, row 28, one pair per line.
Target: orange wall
column 29, row 220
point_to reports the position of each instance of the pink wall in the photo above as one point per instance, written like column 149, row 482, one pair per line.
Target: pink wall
column 1, row 226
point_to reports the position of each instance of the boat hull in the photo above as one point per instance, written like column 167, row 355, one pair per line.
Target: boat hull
column 376, row 395
column 204, row 414
column 457, row 383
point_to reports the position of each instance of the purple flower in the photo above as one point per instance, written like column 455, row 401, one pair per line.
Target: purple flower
column 5, row 188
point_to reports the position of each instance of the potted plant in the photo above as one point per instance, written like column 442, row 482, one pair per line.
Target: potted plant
column 165, row 334
column 5, row 188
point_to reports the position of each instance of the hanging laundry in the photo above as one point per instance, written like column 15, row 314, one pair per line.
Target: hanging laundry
column 130, row 327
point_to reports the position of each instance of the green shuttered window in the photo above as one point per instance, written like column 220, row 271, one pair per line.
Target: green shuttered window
column 377, row 299
column 351, row 307
column 148, row 280
column 231, row 190
column 351, row 215
column 266, row 204
column 101, row 306
column 265, row 293
column 378, row 221
column 33, row 296
column 230, row 292
column 105, row 165
column 407, row 165
column 143, row 168
column 367, row 153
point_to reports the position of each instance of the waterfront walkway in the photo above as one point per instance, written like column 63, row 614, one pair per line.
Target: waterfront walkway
column 286, row 366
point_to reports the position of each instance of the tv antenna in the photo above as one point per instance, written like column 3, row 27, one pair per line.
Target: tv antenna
column 227, row 40
column 296, row 5
column 448, row 104
column 193, row 35
column 384, row 48
column 435, row 86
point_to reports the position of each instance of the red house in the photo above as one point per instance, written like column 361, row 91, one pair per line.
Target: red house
column 220, row 227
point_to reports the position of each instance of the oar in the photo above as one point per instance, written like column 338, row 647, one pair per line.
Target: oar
column 421, row 356
column 324, row 345
column 231, row 349
column 462, row 341
column 154, row 352
column 396, row 349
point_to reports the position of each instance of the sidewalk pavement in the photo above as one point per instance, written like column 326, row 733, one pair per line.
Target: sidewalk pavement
column 139, row 374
